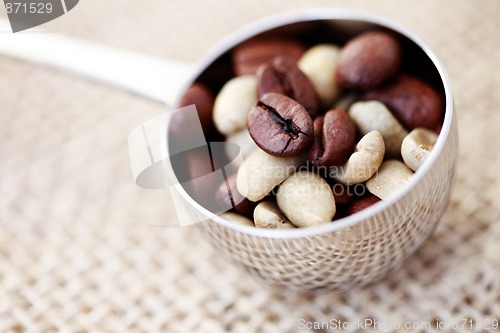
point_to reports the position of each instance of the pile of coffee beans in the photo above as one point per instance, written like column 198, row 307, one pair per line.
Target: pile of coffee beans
column 325, row 131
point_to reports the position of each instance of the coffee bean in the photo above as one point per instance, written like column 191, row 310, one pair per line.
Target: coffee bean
column 417, row 146
column 364, row 162
column 362, row 204
column 200, row 180
column 268, row 215
column 334, row 139
column 374, row 116
column 390, row 178
column 346, row 194
column 239, row 142
column 306, row 199
column 248, row 56
column 343, row 196
column 282, row 75
column 237, row 218
column 233, row 102
column 368, row 60
column 280, row 126
column 260, row 173
column 319, row 63
column 413, row 102
column 229, row 197
column 203, row 99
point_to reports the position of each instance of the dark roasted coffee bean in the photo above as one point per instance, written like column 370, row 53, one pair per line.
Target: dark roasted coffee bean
column 282, row 75
column 368, row 60
column 362, row 204
column 248, row 56
column 280, row 126
column 200, row 180
column 345, row 194
column 228, row 196
column 413, row 102
column 334, row 139
column 200, row 96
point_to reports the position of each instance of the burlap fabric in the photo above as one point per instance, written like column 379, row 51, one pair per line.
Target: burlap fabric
column 80, row 246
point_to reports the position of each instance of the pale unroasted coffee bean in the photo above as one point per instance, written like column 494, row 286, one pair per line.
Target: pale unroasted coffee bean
column 412, row 101
column 364, row 162
column 233, row 103
column 319, row 63
column 391, row 176
column 306, row 199
column 280, row 126
column 268, row 215
column 375, row 116
column 334, row 139
column 237, row 218
column 417, row 146
column 261, row 172
column 243, row 140
column 368, row 60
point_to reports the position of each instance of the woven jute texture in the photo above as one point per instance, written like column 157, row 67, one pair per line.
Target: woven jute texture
column 81, row 249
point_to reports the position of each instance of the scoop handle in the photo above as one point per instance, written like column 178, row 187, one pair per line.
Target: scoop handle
column 148, row 76
column 154, row 78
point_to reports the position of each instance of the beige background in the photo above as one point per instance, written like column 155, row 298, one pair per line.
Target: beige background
column 77, row 249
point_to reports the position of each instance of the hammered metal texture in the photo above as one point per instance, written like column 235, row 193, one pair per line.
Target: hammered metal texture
column 353, row 256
